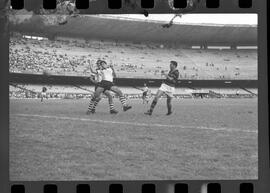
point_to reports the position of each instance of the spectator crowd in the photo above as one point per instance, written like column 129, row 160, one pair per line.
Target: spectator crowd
column 65, row 56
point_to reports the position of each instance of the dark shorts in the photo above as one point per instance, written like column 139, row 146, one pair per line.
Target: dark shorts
column 107, row 85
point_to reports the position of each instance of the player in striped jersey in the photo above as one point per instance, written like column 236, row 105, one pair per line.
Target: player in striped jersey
column 96, row 78
column 108, row 74
column 167, row 87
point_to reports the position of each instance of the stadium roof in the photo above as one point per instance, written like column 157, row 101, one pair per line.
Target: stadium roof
column 124, row 29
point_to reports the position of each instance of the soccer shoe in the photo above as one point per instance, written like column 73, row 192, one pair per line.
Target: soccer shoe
column 125, row 108
column 113, row 111
column 90, row 112
column 148, row 113
column 169, row 113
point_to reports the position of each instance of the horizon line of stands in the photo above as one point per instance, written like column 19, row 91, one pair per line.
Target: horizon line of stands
column 22, row 92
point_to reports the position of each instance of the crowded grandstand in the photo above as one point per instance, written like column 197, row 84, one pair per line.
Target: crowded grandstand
column 72, row 57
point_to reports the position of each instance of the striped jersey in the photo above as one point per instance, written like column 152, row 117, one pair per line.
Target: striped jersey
column 172, row 74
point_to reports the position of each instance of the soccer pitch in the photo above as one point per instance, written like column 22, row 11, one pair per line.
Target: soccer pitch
column 202, row 139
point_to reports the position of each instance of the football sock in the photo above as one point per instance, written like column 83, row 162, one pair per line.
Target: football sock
column 169, row 106
column 123, row 100
column 95, row 104
column 92, row 105
column 111, row 106
column 153, row 105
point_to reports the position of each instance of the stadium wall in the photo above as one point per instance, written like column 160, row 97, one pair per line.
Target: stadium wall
column 128, row 82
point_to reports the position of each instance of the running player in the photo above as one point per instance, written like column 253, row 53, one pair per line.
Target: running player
column 43, row 93
column 108, row 74
column 167, row 87
column 96, row 78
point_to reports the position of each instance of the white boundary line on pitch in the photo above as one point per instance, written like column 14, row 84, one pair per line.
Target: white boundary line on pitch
column 137, row 124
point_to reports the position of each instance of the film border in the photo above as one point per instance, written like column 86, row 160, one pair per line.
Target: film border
column 260, row 185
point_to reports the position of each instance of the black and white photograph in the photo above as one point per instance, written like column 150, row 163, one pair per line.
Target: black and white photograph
column 133, row 97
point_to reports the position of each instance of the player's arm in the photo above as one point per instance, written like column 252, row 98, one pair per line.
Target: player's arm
column 113, row 71
column 92, row 70
column 169, row 77
column 166, row 75
column 175, row 76
column 92, row 79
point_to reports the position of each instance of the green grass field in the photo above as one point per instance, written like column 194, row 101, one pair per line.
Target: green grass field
column 203, row 139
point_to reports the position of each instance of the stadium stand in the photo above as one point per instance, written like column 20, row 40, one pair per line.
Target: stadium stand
column 66, row 56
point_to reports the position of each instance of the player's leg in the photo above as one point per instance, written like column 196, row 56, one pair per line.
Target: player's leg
column 95, row 99
column 169, row 104
column 144, row 97
column 110, row 99
column 154, row 102
column 43, row 96
column 122, row 98
column 149, row 98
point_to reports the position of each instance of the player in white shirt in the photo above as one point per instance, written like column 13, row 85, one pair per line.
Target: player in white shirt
column 145, row 94
column 43, row 93
column 96, row 78
column 108, row 74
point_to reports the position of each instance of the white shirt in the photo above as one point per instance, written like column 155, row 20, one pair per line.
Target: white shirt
column 145, row 89
column 107, row 74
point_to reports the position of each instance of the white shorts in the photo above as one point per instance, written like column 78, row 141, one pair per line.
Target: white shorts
column 168, row 90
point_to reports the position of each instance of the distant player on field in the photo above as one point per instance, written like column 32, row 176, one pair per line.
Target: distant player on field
column 43, row 93
column 167, row 87
column 96, row 78
column 146, row 92
column 108, row 74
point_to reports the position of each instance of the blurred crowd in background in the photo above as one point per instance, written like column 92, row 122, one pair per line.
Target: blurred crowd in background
column 66, row 56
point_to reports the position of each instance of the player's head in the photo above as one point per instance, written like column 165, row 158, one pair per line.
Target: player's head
column 98, row 63
column 173, row 65
column 103, row 64
column 145, row 85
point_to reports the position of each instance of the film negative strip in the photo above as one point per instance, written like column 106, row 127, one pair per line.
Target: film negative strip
column 134, row 96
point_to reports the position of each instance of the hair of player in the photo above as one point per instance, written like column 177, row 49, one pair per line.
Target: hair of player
column 98, row 61
column 174, row 63
column 103, row 62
